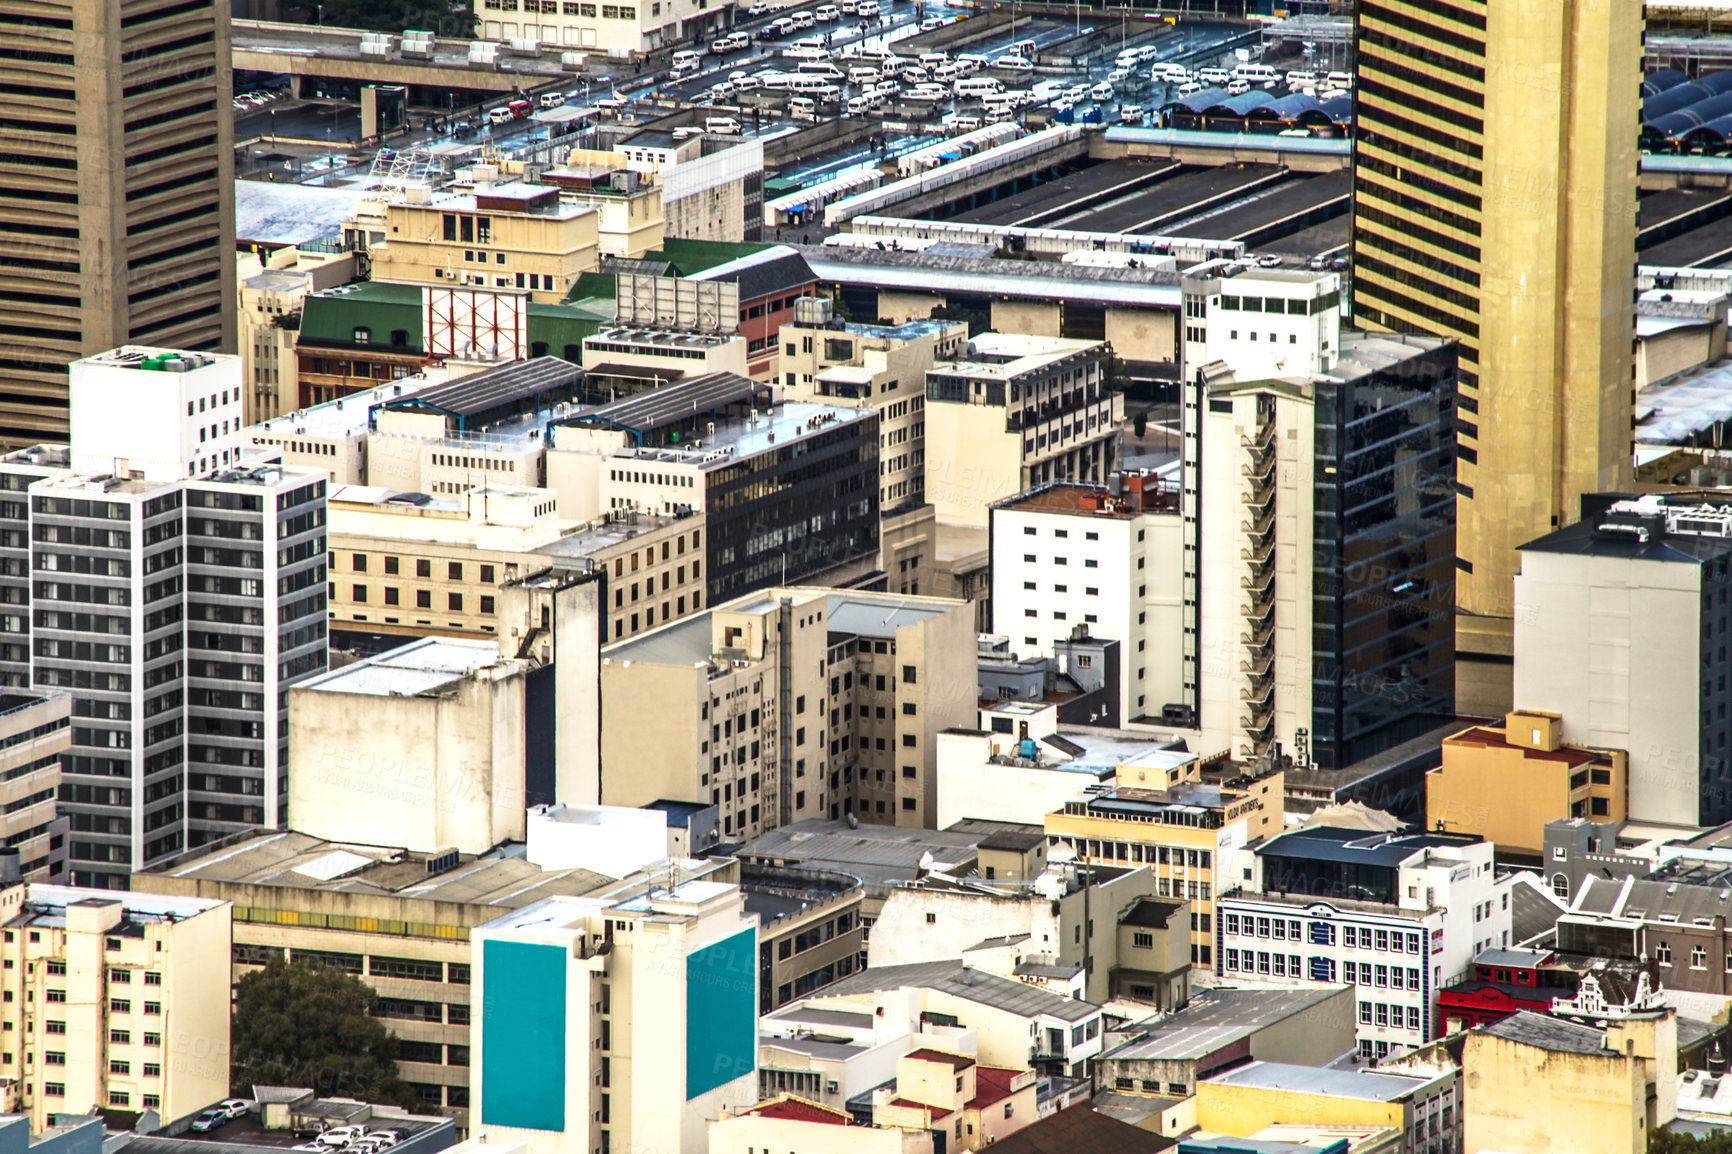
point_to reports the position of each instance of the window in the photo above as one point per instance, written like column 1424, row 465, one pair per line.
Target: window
column 1143, row 941
column 1663, row 953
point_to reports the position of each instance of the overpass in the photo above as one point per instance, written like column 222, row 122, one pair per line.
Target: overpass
column 301, row 52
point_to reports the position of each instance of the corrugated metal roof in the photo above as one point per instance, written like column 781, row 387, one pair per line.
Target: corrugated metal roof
column 952, row 977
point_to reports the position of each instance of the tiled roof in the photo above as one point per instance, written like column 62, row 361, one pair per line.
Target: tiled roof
column 792, row 1109
column 991, row 1084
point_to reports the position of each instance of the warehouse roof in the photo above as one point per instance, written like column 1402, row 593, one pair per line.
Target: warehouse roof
column 495, row 389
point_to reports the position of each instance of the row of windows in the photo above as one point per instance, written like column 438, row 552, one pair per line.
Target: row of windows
column 423, row 599
column 454, row 570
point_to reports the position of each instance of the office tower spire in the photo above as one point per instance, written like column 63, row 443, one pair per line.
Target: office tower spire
column 1495, row 202
column 116, row 191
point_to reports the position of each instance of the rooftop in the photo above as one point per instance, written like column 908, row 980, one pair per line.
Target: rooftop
column 1151, row 914
column 426, row 666
column 1078, row 499
column 1218, row 1018
column 879, row 855
column 45, row 905
column 541, row 382
column 1326, row 1081
column 1548, row 1033
column 1647, row 528
column 349, row 416
column 788, row 1108
column 1006, row 355
column 599, row 536
column 954, row 1061
column 1081, row 1130
column 297, row 861
column 953, row 977
column 777, row 269
column 1356, row 847
column 1565, row 755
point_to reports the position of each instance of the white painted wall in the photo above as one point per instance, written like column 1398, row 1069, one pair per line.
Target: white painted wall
column 165, row 425
column 1615, row 646
column 606, row 839
column 971, row 786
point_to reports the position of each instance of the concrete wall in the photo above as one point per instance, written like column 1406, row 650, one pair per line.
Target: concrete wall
column 979, row 462
column 1615, row 646
column 1525, row 1100
column 1034, row 318
column 425, row 773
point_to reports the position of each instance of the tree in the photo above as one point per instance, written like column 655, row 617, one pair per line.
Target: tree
column 304, row 1024
column 1668, row 1142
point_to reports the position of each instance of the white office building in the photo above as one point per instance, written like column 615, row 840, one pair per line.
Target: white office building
column 156, row 414
column 1397, row 916
column 1103, row 559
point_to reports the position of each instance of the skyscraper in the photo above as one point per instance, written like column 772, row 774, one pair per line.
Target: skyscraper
column 116, row 202
column 1495, row 202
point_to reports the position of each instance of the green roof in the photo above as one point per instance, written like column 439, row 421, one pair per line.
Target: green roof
column 690, row 257
column 560, row 327
column 593, row 285
column 331, row 317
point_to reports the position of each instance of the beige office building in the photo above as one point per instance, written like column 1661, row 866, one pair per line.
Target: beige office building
column 1495, row 203
column 508, row 236
column 790, row 704
column 420, row 566
column 116, row 193
column 113, row 1000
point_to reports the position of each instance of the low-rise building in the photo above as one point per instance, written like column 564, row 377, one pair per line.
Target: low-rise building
column 1186, row 830
column 1068, row 922
column 1025, row 774
column 1017, row 1025
column 1223, row 1028
column 1014, row 412
column 809, row 922
column 788, row 1122
column 1423, row 1105
column 1544, row 1083
column 399, row 920
column 790, row 704
column 516, row 236
column 1506, row 784
column 960, row 1103
column 1397, row 916
column 119, row 985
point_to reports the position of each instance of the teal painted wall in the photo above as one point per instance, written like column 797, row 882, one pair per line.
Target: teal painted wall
column 721, row 1012
column 523, row 1035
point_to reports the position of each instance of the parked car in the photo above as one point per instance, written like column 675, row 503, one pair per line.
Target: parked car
column 932, row 23
column 210, row 1119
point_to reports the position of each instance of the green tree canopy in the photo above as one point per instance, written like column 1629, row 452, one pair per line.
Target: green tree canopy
column 303, row 1024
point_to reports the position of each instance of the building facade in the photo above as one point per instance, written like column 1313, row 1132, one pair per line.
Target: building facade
column 110, row 993
column 35, row 731
column 1119, row 546
column 1622, row 609
column 1013, row 412
column 1320, row 584
column 1494, row 203
column 1398, row 917
column 790, row 704
column 118, row 210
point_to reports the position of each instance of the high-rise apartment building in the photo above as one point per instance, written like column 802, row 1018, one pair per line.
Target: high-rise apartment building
column 116, row 192
column 177, row 610
column 1495, row 202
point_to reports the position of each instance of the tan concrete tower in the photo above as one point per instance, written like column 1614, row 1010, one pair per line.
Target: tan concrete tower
column 1495, row 202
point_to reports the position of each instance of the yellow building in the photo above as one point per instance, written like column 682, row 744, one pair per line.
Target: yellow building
column 1539, row 1084
column 966, row 1105
column 1495, row 202
column 113, row 1000
column 1181, row 832
column 1422, row 1104
column 516, row 236
column 1506, row 784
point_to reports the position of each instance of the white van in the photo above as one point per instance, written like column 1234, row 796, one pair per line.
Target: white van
column 807, row 84
column 1102, row 91
column 1238, row 86
column 863, row 76
column 964, row 123
column 970, row 62
column 1339, row 79
column 806, row 52
column 1298, row 79
column 804, row 20
column 687, row 58
column 803, row 108
column 552, row 99
column 868, row 9
column 1023, row 48
column 933, row 59
column 820, row 68
column 810, row 42
column 828, row 13
column 500, row 115
column 1214, row 75
column 783, row 26
column 858, row 105
column 722, row 125
column 1012, row 64
column 977, row 87
column 1256, row 74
